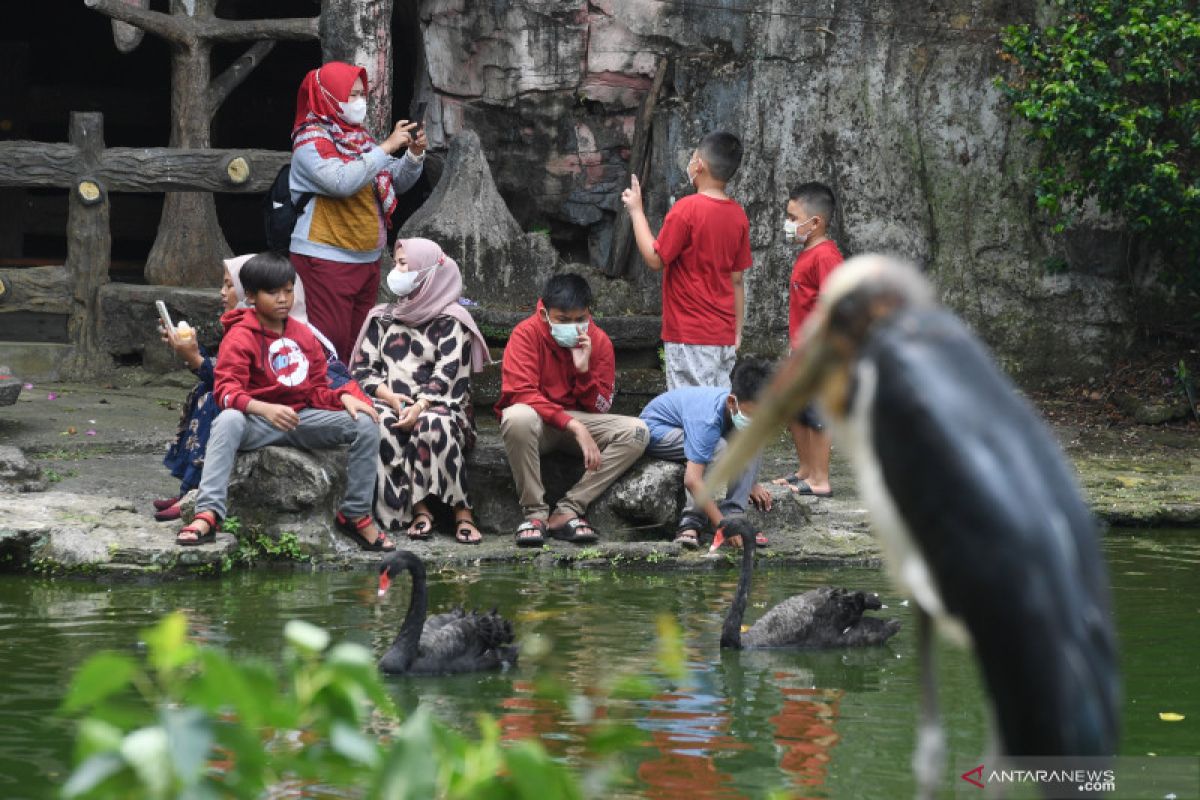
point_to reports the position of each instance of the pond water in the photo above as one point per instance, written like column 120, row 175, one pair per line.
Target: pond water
column 830, row 724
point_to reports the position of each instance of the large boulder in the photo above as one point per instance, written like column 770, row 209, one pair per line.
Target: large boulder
column 18, row 473
column 468, row 218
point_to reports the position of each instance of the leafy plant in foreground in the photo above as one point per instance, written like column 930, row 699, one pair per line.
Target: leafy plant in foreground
column 189, row 721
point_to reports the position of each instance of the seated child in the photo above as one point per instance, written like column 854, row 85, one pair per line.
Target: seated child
column 185, row 457
column 557, row 381
column 272, row 388
column 690, row 425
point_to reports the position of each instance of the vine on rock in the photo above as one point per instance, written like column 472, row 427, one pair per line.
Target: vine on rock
column 1112, row 92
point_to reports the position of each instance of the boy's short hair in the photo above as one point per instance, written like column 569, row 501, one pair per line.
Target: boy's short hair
column 567, row 292
column 817, row 199
column 722, row 152
column 748, row 378
column 267, row 272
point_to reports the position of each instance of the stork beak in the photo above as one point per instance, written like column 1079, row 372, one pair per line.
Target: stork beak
column 384, row 582
column 795, row 384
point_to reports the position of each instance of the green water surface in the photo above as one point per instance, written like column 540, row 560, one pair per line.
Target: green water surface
column 830, row 724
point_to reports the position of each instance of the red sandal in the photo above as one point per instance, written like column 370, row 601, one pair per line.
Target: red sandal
column 207, row 537
column 353, row 529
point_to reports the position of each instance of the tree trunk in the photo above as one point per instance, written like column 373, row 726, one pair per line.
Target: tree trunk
column 360, row 32
column 189, row 246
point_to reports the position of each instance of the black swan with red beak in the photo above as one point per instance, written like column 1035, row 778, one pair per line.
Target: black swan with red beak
column 443, row 644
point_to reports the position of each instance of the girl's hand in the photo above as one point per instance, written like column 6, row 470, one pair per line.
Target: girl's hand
column 409, row 416
column 187, row 349
column 398, row 402
column 283, row 417
column 401, row 136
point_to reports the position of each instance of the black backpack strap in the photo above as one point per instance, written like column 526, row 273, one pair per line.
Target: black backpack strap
column 304, row 198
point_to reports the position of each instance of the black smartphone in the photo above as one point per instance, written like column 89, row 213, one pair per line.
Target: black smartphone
column 419, row 116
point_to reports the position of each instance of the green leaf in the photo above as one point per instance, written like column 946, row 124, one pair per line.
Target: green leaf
column 190, row 740
column 672, row 659
column 351, row 744
column 101, row 676
column 147, row 751
column 615, row 738
column 410, row 769
column 536, row 775
column 167, row 643
column 96, row 736
column 91, row 773
column 305, row 636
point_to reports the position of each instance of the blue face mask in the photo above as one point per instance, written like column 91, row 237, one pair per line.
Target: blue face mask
column 567, row 333
column 740, row 420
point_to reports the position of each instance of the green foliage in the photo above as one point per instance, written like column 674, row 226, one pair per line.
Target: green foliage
column 1112, row 90
column 189, row 721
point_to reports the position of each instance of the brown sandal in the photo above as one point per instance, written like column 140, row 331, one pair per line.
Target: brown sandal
column 354, row 528
column 464, row 528
column 207, row 537
column 422, row 533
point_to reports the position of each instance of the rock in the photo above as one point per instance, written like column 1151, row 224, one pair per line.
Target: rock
column 17, row 473
column 644, row 503
column 1148, row 413
column 468, row 218
column 932, row 167
column 59, row 530
column 10, row 387
column 129, row 320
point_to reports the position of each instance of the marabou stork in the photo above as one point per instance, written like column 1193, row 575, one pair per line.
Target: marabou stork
column 979, row 515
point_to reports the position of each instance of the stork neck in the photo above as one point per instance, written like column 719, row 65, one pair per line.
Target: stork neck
column 731, row 632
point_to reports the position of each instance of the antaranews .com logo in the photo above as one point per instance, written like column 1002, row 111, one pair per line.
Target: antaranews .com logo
column 1052, row 778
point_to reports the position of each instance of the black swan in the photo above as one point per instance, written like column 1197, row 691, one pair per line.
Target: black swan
column 443, row 644
column 824, row 617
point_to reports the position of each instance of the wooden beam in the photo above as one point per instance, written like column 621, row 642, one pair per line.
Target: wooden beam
column 622, row 241
column 235, row 73
column 89, row 247
column 139, row 169
column 40, row 290
column 155, row 22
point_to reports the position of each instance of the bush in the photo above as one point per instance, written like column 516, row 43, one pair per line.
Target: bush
column 1112, row 90
column 191, row 722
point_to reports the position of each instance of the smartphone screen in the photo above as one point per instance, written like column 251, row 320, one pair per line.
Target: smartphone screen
column 419, row 116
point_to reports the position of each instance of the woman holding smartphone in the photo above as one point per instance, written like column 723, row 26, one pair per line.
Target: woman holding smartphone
column 351, row 182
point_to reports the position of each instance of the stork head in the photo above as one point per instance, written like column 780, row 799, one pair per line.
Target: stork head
column 857, row 296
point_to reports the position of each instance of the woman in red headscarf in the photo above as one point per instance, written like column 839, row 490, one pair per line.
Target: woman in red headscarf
column 347, row 183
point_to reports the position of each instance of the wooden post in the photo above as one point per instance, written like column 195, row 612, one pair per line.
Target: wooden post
column 618, row 254
column 190, row 244
column 359, row 32
column 89, row 245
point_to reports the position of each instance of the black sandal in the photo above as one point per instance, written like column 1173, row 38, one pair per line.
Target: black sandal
column 425, row 532
column 535, row 533
column 687, row 537
column 569, row 531
column 353, row 529
column 463, row 530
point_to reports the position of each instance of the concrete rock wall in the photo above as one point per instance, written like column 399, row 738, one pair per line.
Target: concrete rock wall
column 892, row 104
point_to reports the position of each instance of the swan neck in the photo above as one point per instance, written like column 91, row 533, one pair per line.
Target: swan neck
column 731, row 633
column 408, row 640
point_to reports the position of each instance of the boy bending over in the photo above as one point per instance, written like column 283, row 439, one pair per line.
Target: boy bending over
column 691, row 425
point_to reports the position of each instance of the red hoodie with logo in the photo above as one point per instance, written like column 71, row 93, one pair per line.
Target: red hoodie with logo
column 540, row 373
column 258, row 364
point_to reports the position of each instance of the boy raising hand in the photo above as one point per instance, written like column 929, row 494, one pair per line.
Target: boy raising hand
column 702, row 251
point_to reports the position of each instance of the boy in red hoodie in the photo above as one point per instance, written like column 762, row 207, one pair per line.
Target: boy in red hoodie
column 271, row 385
column 557, row 381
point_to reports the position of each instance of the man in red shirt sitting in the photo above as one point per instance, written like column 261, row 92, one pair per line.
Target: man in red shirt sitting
column 810, row 210
column 557, row 382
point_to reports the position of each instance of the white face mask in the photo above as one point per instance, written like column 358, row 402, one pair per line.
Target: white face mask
column 791, row 231
column 354, row 111
column 403, row 284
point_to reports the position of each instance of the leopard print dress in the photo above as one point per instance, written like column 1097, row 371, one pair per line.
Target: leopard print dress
column 432, row 361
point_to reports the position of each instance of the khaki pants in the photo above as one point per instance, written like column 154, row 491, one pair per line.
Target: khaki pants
column 621, row 441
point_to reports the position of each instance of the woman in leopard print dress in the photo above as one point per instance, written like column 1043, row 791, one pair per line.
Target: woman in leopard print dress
column 414, row 357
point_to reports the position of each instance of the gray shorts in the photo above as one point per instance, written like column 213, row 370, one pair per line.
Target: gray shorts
column 698, row 364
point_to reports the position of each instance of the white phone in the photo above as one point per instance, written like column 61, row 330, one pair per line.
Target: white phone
column 164, row 316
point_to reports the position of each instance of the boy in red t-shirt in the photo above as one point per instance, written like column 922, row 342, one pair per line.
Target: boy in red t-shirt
column 702, row 251
column 810, row 210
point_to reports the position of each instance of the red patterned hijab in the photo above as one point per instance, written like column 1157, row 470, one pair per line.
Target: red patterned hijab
column 318, row 120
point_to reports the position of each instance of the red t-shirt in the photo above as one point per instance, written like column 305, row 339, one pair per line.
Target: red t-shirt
column 703, row 241
column 809, row 272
